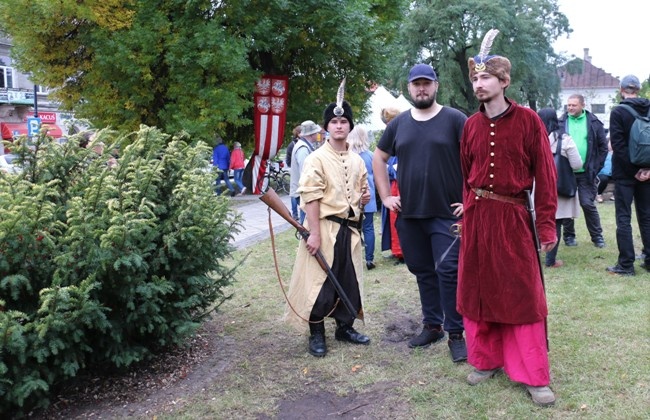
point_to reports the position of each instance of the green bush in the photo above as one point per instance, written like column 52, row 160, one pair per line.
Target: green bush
column 101, row 264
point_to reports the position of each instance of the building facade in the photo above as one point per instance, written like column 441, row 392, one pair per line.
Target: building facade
column 598, row 87
column 20, row 98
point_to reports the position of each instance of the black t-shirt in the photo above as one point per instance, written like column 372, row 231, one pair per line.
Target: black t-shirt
column 428, row 173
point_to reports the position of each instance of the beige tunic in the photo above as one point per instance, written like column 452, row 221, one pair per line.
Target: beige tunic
column 336, row 179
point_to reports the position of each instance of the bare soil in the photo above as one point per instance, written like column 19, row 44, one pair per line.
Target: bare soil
column 171, row 380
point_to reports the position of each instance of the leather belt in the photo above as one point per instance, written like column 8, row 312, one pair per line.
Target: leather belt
column 345, row 222
column 493, row 196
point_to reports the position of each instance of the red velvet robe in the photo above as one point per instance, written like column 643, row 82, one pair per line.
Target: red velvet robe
column 499, row 277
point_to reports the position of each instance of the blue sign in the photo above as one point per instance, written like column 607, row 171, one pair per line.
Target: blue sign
column 33, row 126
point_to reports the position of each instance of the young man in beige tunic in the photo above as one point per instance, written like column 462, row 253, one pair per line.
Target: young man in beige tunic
column 333, row 189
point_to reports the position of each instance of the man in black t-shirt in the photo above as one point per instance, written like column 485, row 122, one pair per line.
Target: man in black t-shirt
column 426, row 141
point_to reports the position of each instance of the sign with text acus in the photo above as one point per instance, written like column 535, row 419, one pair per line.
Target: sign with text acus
column 46, row 117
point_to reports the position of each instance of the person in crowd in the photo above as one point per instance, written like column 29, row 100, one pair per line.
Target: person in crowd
column 333, row 189
column 304, row 146
column 588, row 134
column 237, row 165
column 632, row 183
column 221, row 161
column 287, row 160
column 504, row 152
column 359, row 144
column 426, row 140
column 389, row 236
column 566, row 206
column 605, row 174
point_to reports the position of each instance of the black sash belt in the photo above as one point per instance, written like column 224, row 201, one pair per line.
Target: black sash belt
column 345, row 222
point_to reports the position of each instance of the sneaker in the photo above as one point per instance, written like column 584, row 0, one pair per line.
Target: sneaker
column 478, row 376
column 542, row 395
column 617, row 269
column 458, row 348
column 599, row 198
column 570, row 242
column 645, row 266
column 599, row 243
column 428, row 336
column 556, row 264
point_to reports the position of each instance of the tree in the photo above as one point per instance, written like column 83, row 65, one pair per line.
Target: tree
column 447, row 35
column 191, row 65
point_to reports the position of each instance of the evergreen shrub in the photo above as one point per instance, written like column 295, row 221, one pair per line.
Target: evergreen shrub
column 102, row 264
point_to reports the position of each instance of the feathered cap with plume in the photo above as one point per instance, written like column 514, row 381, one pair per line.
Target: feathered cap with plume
column 340, row 108
column 496, row 65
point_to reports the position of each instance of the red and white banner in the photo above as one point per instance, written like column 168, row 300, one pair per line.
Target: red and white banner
column 269, row 118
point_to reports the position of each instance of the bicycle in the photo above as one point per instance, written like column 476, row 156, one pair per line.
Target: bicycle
column 276, row 177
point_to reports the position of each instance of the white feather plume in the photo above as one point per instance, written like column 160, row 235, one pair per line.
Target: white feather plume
column 338, row 111
column 486, row 45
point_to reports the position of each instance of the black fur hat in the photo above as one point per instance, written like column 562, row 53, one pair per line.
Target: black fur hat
column 329, row 114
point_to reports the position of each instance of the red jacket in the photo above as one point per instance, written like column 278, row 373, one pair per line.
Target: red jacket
column 499, row 277
column 237, row 159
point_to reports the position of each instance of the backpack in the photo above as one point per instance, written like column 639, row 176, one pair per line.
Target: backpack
column 639, row 138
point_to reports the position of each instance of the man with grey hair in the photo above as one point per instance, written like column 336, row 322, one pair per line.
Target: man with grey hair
column 304, row 146
column 632, row 181
column 588, row 133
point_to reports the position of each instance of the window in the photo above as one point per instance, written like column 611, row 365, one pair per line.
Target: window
column 42, row 89
column 6, row 77
column 598, row 108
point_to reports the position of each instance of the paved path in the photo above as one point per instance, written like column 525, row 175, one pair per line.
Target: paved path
column 255, row 224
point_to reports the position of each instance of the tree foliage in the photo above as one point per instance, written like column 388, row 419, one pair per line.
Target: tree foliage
column 101, row 265
column 447, row 34
column 191, row 65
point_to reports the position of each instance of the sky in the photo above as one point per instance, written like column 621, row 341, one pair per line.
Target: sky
column 615, row 31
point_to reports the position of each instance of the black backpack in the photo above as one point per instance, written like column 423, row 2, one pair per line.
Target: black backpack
column 639, row 138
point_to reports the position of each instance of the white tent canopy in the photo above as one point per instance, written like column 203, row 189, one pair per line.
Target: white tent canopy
column 379, row 100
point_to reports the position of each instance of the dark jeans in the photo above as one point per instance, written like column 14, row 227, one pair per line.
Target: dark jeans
column 368, row 229
column 626, row 191
column 603, row 182
column 550, row 255
column 423, row 243
column 587, row 190
column 223, row 175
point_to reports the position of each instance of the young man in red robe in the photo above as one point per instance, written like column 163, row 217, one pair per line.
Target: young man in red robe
column 504, row 151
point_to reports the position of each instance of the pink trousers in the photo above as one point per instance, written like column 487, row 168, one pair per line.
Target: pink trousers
column 519, row 349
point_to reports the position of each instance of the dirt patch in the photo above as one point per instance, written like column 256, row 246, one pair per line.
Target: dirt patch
column 207, row 366
column 365, row 405
column 151, row 387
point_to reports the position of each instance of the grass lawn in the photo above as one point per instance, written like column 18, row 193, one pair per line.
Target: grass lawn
column 599, row 330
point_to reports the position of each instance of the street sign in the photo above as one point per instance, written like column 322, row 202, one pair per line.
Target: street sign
column 33, row 125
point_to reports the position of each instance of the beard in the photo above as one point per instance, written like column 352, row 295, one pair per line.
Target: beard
column 484, row 97
column 425, row 103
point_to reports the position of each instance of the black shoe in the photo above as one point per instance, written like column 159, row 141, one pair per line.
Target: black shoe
column 370, row 265
column 457, row 347
column 617, row 269
column 599, row 243
column 317, row 346
column 428, row 336
column 399, row 261
column 349, row 334
column 570, row 242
